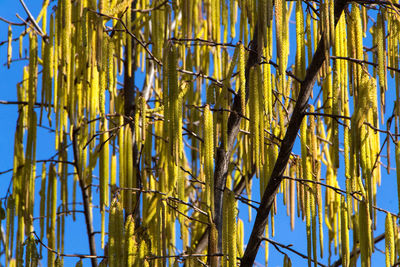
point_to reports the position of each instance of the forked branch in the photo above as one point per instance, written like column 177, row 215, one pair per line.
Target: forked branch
column 287, row 145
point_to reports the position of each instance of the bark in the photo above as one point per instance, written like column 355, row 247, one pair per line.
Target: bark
column 222, row 155
column 129, row 110
column 86, row 199
column 286, row 146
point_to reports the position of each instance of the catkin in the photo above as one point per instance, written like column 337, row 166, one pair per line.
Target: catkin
column 255, row 114
column 208, row 136
column 300, row 41
column 9, row 46
column 364, row 233
column 242, row 78
column 381, row 47
column 130, row 242
column 232, row 228
column 397, row 148
column 344, row 234
column 389, row 241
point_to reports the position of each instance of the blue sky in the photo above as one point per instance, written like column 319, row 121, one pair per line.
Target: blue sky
column 76, row 240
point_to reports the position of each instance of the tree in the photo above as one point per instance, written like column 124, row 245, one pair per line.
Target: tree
column 161, row 124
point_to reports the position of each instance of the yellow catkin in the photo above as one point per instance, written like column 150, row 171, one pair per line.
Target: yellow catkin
column 104, row 162
column 240, row 237
column 137, row 121
column 344, row 234
column 173, row 92
column 398, row 171
column 208, row 136
column 234, row 61
column 213, row 243
column 381, row 48
column 287, row 262
column 300, row 40
column 52, row 203
column 389, row 241
column 232, row 229
column 364, row 237
column 119, row 226
column 113, row 170
column 242, row 78
column 130, row 181
column 9, row 46
column 358, row 38
column 128, row 41
column 111, row 235
column 267, row 89
column 21, row 45
column 308, row 225
column 279, row 20
column 104, row 174
column 10, row 213
column 233, row 5
column 130, row 242
column 255, row 114
column 42, row 194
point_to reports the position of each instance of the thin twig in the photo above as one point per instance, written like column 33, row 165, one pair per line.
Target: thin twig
column 62, row 254
column 33, row 21
column 12, row 23
column 288, row 247
column 85, row 198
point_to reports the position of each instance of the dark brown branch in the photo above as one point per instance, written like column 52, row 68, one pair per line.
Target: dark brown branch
column 199, row 41
column 12, row 23
column 62, row 254
column 287, row 145
column 360, row 61
column 150, row 9
column 184, row 256
column 202, row 243
column 288, row 247
column 223, row 155
column 85, row 198
column 128, row 31
column 353, row 253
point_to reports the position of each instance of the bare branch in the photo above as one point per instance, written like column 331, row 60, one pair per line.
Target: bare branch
column 288, row 247
column 287, row 145
column 33, row 21
column 85, row 198
column 62, row 254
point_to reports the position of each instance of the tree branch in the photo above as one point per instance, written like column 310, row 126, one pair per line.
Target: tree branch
column 287, row 145
column 222, row 155
column 85, row 198
column 288, row 247
column 33, row 21
column 357, row 251
column 62, row 254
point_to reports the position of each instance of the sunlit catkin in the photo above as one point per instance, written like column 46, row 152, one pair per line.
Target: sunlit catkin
column 255, row 114
column 130, row 241
column 381, row 47
column 364, row 223
column 42, row 194
column 242, row 78
column 300, row 40
column 53, row 212
column 389, row 241
column 208, row 136
column 344, row 235
column 397, row 148
column 232, row 228
column 287, row 262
